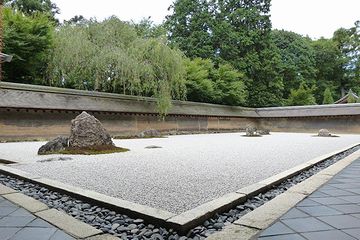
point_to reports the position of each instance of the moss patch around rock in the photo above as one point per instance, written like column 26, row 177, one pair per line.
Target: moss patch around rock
column 94, row 150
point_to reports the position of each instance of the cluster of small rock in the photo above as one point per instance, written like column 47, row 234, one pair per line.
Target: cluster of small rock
column 251, row 131
column 150, row 133
column 136, row 229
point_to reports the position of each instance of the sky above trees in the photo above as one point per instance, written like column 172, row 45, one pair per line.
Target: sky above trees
column 315, row 18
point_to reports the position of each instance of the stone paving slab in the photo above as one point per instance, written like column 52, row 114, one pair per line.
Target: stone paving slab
column 6, row 190
column 16, row 223
column 68, row 223
column 26, row 202
column 103, row 237
column 331, row 212
column 234, row 232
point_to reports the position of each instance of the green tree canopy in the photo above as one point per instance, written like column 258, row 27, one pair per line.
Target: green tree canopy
column 77, row 19
column 351, row 98
column 207, row 83
column 348, row 42
column 229, row 86
column 231, row 32
column 301, row 96
column 199, row 83
column 297, row 59
column 109, row 56
column 328, row 63
column 29, row 39
column 147, row 29
column 190, row 28
column 30, row 7
column 328, row 98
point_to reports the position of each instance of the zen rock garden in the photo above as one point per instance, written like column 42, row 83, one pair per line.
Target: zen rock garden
column 172, row 175
column 173, row 190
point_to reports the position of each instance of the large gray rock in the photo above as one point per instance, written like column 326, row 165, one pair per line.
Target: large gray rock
column 87, row 131
column 149, row 133
column 250, row 131
column 55, row 145
column 324, row 133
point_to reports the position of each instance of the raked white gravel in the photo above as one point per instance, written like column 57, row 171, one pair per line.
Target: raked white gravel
column 187, row 171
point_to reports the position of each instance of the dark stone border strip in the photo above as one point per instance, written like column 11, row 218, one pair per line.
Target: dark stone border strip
column 131, row 228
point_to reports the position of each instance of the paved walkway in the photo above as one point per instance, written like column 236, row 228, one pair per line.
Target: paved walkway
column 332, row 212
column 18, row 224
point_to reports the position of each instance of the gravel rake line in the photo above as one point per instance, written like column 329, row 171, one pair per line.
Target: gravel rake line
column 129, row 228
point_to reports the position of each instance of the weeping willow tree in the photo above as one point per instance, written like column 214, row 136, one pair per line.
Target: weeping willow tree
column 109, row 56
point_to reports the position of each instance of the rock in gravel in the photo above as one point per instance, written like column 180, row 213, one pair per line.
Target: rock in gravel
column 324, row 133
column 138, row 221
column 219, row 225
column 251, row 131
column 64, row 199
column 149, row 133
column 156, row 236
column 123, row 229
column 85, row 206
column 152, row 147
column 206, row 223
column 87, row 131
column 148, row 233
column 55, row 145
column 90, row 218
column 132, row 226
column 115, row 226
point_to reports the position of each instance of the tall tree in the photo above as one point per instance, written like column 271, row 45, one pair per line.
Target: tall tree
column 297, row 59
column 190, row 28
column 328, row 98
column 77, row 19
column 241, row 36
column 200, row 86
column 29, row 40
column 234, row 32
column 348, row 42
column 34, row 6
column 109, row 56
column 229, row 86
column 301, row 96
column 328, row 65
column 147, row 29
column 222, row 85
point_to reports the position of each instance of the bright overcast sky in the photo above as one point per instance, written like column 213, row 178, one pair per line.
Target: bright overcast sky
column 315, row 18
